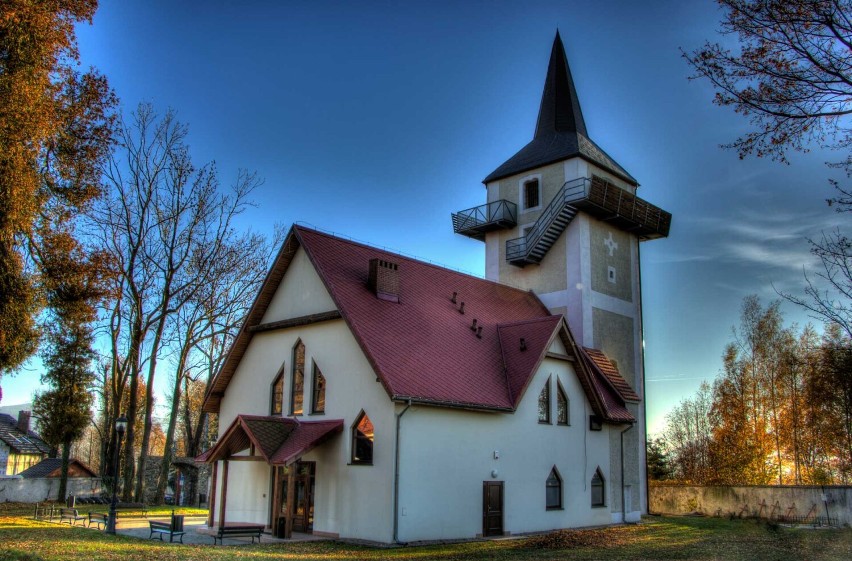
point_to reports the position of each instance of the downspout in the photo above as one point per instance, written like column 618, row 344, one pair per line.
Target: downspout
column 396, row 476
column 644, row 396
column 623, row 502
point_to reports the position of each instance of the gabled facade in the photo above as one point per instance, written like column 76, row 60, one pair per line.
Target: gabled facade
column 373, row 396
column 398, row 396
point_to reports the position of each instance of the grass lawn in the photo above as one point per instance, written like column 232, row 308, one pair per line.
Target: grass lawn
column 22, row 539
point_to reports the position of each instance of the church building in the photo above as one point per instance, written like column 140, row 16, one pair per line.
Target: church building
column 373, row 396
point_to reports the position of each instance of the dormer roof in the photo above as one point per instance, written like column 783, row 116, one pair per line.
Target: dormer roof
column 560, row 131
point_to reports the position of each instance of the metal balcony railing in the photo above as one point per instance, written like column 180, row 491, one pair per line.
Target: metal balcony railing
column 597, row 197
column 475, row 222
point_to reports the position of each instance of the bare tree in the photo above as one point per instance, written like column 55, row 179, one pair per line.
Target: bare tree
column 168, row 224
column 225, row 292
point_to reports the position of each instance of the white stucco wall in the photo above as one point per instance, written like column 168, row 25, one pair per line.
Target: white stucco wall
column 350, row 500
column 446, row 455
column 300, row 293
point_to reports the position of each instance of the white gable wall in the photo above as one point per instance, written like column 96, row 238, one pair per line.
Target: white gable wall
column 350, row 500
column 446, row 455
column 300, row 293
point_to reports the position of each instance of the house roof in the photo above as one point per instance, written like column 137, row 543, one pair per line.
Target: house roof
column 51, row 467
column 20, row 442
column 560, row 131
column 608, row 369
column 422, row 348
column 278, row 440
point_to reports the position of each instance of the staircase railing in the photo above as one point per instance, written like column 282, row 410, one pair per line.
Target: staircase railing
column 520, row 248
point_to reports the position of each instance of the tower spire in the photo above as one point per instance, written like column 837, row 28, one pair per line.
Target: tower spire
column 560, row 107
column 560, row 132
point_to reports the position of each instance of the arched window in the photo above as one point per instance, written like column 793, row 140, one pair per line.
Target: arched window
column 297, row 389
column 553, row 490
column 318, row 391
column 562, row 410
column 598, row 488
column 544, row 404
column 276, row 397
column 362, row 440
column 531, row 195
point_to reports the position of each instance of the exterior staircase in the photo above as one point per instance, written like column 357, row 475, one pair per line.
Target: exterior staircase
column 531, row 248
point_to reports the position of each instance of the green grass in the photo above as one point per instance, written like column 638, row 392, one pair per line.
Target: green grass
column 26, row 510
column 656, row 539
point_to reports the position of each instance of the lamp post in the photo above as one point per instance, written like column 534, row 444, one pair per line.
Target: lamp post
column 120, row 427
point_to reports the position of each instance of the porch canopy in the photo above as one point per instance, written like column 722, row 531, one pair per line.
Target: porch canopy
column 279, row 441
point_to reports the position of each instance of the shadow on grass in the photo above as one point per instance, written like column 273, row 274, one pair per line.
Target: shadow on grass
column 656, row 539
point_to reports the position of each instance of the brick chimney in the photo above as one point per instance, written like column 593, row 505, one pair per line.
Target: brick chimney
column 24, row 421
column 384, row 279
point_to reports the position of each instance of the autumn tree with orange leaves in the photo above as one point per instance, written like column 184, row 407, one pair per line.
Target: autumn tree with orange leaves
column 55, row 131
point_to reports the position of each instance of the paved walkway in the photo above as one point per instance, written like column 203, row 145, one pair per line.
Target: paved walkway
column 197, row 532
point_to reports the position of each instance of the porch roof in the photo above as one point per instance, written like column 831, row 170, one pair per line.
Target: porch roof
column 277, row 440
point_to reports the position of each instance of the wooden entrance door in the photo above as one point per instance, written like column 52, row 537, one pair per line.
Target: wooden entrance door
column 492, row 508
column 303, row 517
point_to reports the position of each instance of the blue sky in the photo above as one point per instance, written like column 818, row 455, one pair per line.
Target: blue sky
column 378, row 119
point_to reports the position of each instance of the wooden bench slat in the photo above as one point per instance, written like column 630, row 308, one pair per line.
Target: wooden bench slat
column 238, row 531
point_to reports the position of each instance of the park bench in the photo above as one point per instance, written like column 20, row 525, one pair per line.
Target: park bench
column 72, row 515
column 99, row 518
column 243, row 531
column 124, row 507
column 174, row 528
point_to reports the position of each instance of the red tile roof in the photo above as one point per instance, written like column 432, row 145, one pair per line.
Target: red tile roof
column 423, row 348
column 612, row 403
column 609, row 370
column 521, row 362
column 278, row 440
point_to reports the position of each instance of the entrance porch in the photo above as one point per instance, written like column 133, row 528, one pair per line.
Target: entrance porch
column 280, row 442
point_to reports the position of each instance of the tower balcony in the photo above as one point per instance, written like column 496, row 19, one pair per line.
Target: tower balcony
column 597, row 197
column 475, row 222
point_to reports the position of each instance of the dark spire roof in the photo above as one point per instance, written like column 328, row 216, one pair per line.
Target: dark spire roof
column 560, row 132
column 560, row 107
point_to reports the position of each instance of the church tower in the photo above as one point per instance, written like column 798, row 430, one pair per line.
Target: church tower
column 563, row 219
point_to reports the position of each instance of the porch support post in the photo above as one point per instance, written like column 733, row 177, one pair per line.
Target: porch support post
column 276, row 499
column 224, row 493
column 212, row 499
column 291, row 501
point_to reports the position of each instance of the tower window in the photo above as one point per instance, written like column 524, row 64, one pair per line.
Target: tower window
column 531, row 195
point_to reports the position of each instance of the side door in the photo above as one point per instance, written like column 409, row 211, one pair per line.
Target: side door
column 492, row 508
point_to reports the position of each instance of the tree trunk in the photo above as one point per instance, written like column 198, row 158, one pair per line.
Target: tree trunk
column 63, row 480
column 149, row 408
column 133, row 407
column 163, row 479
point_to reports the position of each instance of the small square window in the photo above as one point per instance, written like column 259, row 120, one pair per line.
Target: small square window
column 610, row 276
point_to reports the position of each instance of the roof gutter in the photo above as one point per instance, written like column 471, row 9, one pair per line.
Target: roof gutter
column 452, row 404
column 396, row 476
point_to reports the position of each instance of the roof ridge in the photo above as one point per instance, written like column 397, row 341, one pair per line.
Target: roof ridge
column 525, row 321
column 420, row 261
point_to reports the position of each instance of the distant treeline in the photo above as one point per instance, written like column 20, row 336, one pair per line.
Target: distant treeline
column 780, row 412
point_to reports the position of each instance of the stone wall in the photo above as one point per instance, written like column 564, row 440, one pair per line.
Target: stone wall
column 152, row 472
column 39, row 489
column 761, row 501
